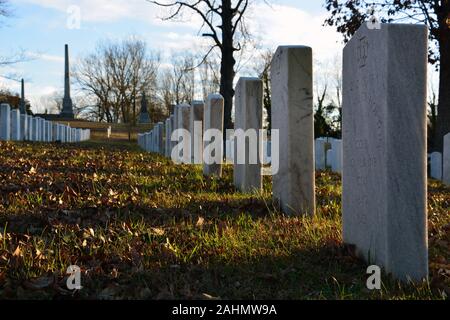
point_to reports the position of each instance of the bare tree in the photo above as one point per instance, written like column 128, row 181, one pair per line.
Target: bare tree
column 116, row 75
column 224, row 23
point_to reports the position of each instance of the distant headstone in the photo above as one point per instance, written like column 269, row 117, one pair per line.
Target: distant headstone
column 446, row 160
column 247, row 126
column 436, row 165
column 319, row 151
column 36, row 129
column 167, row 142
column 293, row 117
column 213, row 121
column 196, row 130
column 184, row 122
column 160, row 138
column 23, row 127
column 30, row 128
column 334, row 155
column 5, row 122
column 384, row 135
column 15, row 125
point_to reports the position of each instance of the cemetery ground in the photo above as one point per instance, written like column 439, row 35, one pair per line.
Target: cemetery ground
column 140, row 227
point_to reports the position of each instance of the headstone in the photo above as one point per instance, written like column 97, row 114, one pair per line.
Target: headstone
column 334, row 155
column 35, row 129
column 148, row 142
column 266, row 151
column 5, row 122
column 184, row 122
column 56, row 136
column 160, row 138
column 436, row 165
column 446, row 160
column 319, row 150
column 247, row 126
column 167, row 142
column 15, row 125
column 293, row 117
column 41, row 130
column 196, row 130
column 174, row 123
column 384, row 134
column 30, row 128
column 213, row 121
column 23, row 127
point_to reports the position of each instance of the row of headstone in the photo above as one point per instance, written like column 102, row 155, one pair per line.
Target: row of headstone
column 191, row 125
column 229, row 151
column 382, row 154
column 22, row 127
column 328, row 154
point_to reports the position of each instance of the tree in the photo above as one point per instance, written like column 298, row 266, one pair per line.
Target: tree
column 115, row 76
column 224, row 22
column 349, row 15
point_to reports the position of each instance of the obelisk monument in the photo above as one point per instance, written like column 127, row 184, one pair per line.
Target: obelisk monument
column 67, row 109
column 22, row 106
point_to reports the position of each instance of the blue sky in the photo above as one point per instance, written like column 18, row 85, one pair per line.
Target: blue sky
column 39, row 27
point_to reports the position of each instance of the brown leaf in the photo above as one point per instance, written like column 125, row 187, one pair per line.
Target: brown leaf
column 17, row 252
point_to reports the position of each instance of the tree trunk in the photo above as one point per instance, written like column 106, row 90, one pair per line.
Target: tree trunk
column 227, row 64
column 443, row 121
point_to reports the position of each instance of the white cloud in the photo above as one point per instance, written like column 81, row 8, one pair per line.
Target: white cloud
column 111, row 11
column 285, row 25
column 45, row 57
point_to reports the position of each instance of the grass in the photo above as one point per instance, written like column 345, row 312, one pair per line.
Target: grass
column 140, row 227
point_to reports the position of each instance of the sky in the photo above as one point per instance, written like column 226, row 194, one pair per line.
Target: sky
column 41, row 28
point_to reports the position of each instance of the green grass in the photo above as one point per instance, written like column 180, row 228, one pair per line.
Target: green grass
column 142, row 228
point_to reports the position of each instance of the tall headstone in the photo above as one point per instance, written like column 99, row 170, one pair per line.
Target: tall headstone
column 247, row 125
column 144, row 116
column 213, row 121
column 436, row 165
column 5, row 122
column 67, row 107
column 15, row 125
column 196, row 129
column 446, row 160
column 293, row 117
column 384, row 136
